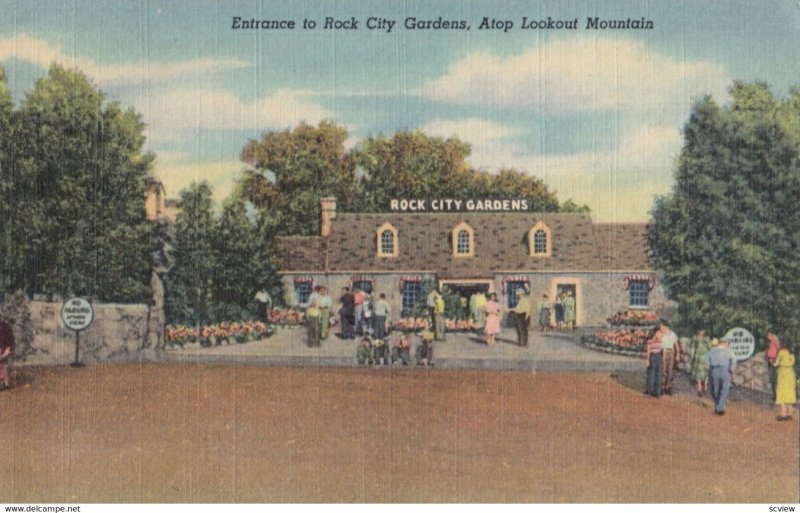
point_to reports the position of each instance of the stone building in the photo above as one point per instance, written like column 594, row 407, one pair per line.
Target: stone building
column 604, row 266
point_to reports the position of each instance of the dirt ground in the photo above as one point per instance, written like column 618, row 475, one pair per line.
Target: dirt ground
column 188, row 433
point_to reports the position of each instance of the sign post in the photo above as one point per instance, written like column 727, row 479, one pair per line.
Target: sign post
column 742, row 343
column 77, row 314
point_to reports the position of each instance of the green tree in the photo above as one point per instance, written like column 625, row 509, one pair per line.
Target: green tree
column 7, row 134
column 512, row 183
column 242, row 266
column 410, row 165
column 293, row 170
column 189, row 284
column 78, row 223
column 727, row 238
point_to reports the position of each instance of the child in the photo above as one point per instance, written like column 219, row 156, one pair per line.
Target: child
column 425, row 349
column 364, row 352
column 401, row 353
column 379, row 356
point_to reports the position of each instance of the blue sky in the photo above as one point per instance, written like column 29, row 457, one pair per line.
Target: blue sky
column 596, row 114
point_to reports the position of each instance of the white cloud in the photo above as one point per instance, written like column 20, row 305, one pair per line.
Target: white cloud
column 177, row 175
column 485, row 138
column 619, row 185
column 172, row 114
column 579, row 74
column 40, row 53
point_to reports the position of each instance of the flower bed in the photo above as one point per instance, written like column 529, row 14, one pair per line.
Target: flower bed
column 623, row 341
column 216, row 334
column 422, row 323
column 287, row 317
column 634, row 318
column 411, row 324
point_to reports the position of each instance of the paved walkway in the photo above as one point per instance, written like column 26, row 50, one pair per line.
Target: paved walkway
column 546, row 352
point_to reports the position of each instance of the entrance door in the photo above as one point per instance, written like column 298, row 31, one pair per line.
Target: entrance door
column 561, row 287
column 465, row 290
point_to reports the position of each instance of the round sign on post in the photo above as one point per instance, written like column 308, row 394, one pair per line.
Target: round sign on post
column 77, row 314
column 742, row 343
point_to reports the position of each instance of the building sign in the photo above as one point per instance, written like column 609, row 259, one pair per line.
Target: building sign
column 77, row 314
column 742, row 343
column 458, row 205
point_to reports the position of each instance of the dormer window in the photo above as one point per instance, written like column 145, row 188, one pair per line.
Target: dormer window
column 540, row 240
column 387, row 240
column 463, row 241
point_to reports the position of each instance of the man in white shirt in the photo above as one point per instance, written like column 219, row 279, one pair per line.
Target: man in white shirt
column 669, row 341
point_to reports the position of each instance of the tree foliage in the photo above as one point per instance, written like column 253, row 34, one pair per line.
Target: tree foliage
column 728, row 235
column 189, row 285
column 74, row 190
column 218, row 263
column 292, row 170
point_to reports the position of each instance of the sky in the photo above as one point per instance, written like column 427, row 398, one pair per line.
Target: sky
column 596, row 114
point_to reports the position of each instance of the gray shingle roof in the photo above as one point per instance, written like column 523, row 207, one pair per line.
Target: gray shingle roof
column 500, row 239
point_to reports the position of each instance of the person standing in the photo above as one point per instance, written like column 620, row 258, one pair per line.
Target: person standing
column 439, row 323
column 382, row 311
column 558, row 307
column 721, row 364
column 697, row 362
column 492, row 327
column 430, row 301
column 773, row 347
column 312, row 324
column 263, row 306
column 346, row 314
column 654, row 357
column 569, row 311
column 325, row 303
column 544, row 313
column 6, row 348
column 358, row 310
column 313, row 297
column 479, row 316
column 522, row 317
column 669, row 344
column 786, row 382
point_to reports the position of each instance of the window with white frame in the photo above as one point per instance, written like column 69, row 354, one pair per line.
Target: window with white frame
column 539, row 242
column 302, row 291
column 387, row 240
column 462, row 242
column 411, row 293
column 638, row 294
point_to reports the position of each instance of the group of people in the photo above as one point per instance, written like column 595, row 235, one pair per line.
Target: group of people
column 487, row 313
column 662, row 356
column 376, row 351
column 563, row 309
column 711, row 365
column 360, row 314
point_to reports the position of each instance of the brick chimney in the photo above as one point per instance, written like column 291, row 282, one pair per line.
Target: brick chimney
column 328, row 211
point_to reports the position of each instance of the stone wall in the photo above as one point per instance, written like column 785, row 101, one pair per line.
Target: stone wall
column 118, row 332
column 753, row 373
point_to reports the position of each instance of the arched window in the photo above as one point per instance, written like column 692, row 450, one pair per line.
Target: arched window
column 463, row 240
column 540, row 243
column 387, row 240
